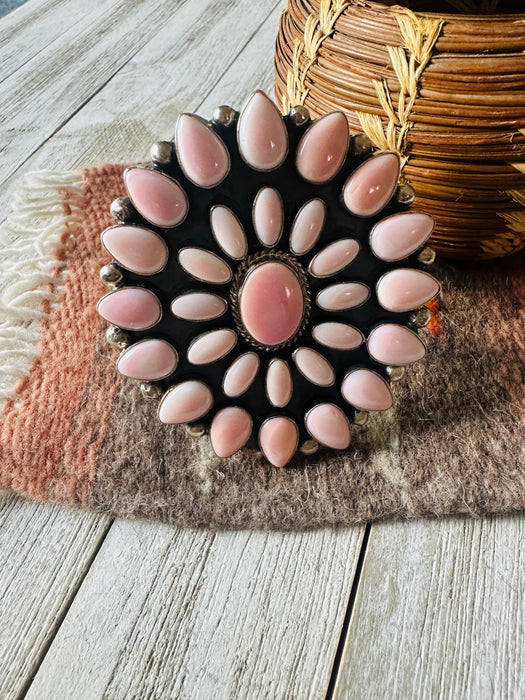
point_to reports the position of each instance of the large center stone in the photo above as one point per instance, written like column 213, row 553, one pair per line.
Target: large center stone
column 271, row 303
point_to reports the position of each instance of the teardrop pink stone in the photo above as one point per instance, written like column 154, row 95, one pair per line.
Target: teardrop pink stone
column 366, row 390
column 338, row 336
column 211, row 346
column 131, row 308
column 327, row 424
column 396, row 345
column 240, row 375
column 279, row 385
column 406, row 289
column 268, row 217
column 400, row 235
column 135, row 248
column 323, row 148
column 198, row 306
column 307, row 226
column 156, row 196
column 334, row 257
column 371, row 186
column 271, row 303
column 230, row 431
column 202, row 154
column 314, row 367
column 278, row 438
column 262, row 136
column 185, row 403
column 340, row 297
column 228, row 232
column 148, row 360
column 204, row 265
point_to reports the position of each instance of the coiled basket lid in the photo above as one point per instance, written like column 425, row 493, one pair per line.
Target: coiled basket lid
column 444, row 89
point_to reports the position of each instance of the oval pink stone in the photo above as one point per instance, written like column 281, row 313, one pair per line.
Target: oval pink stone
column 323, row 148
column 314, row 367
column 185, row 403
column 371, row 186
column 148, row 360
column 279, row 385
column 271, row 303
column 202, row 155
column 228, row 232
column 366, row 390
column 338, row 336
column 278, row 439
column 327, row 424
column 135, row 248
column 268, row 217
column 400, row 235
column 241, row 374
column 406, row 289
column 230, row 430
column 198, row 306
column 261, row 134
column 334, row 257
column 211, row 346
column 131, row 308
column 340, row 297
column 204, row 265
column 156, row 196
column 307, row 226
column 396, row 345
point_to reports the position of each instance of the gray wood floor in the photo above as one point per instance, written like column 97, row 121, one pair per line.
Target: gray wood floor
column 97, row 608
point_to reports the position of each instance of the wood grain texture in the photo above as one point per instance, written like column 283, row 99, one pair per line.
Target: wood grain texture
column 44, row 554
column 439, row 613
column 226, row 615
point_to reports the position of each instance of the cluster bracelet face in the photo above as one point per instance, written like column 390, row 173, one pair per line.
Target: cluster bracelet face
column 268, row 279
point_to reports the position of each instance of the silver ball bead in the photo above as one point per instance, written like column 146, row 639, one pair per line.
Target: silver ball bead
column 161, row 153
column 122, row 209
column 405, row 194
column 421, row 318
column 361, row 145
column 111, row 275
column 299, row 115
column 309, row 447
column 427, row 255
column 395, row 373
column 117, row 337
column 150, row 391
column 224, row 115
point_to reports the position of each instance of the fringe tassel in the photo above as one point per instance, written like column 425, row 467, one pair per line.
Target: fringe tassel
column 32, row 276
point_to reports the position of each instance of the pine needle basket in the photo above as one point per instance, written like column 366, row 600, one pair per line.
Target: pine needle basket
column 446, row 90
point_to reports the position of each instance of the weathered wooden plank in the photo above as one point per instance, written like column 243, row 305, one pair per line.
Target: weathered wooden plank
column 169, row 614
column 439, row 613
column 44, row 554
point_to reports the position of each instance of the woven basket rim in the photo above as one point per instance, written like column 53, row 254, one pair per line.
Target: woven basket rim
column 456, row 17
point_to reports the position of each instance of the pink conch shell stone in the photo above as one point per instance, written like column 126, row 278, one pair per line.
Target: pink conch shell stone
column 327, row 424
column 230, row 430
column 135, row 248
column 268, row 218
column 262, row 136
column 228, row 232
column 148, row 360
column 271, row 303
column 334, row 257
column 322, row 150
column 131, row 308
column 346, row 295
column 366, row 390
column 241, row 374
column 156, row 196
column 185, row 403
column 201, row 152
column 279, row 386
column 392, row 344
column 278, row 438
column 204, row 265
column 371, row 186
column 198, row 306
column 338, row 336
column 314, row 367
column 211, row 346
column 406, row 289
column 400, row 235
column 307, row 226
